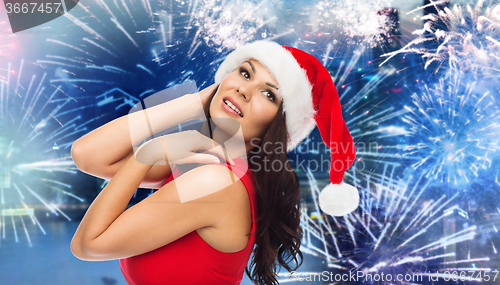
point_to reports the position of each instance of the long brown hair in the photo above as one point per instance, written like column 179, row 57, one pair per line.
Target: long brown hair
column 278, row 232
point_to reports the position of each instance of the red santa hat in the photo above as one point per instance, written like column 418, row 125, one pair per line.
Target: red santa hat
column 309, row 98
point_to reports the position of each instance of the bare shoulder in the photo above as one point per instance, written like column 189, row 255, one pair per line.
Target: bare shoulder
column 214, row 187
column 211, row 183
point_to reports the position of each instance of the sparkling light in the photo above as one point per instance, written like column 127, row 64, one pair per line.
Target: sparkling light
column 227, row 25
column 360, row 20
column 34, row 117
column 451, row 130
column 397, row 228
column 463, row 39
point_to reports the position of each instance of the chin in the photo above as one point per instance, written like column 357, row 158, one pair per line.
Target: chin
column 226, row 122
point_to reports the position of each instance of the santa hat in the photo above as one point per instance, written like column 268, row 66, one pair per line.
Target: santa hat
column 309, row 98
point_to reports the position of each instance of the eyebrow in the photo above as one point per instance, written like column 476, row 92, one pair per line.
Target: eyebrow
column 255, row 71
column 251, row 65
column 272, row 85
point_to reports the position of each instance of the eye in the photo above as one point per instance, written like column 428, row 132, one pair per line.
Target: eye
column 270, row 95
column 245, row 73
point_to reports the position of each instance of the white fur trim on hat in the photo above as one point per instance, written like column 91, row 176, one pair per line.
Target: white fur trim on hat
column 294, row 86
column 338, row 199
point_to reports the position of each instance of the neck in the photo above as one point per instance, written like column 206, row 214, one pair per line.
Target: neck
column 235, row 146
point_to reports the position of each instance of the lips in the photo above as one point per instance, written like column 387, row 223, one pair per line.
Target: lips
column 235, row 103
column 229, row 109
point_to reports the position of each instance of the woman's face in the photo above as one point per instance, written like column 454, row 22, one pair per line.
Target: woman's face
column 254, row 91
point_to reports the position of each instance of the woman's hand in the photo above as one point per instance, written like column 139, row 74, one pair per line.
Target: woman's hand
column 181, row 148
column 205, row 93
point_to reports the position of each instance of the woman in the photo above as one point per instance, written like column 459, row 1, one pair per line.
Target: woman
column 274, row 94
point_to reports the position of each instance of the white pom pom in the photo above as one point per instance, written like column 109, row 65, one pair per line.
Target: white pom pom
column 338, row 199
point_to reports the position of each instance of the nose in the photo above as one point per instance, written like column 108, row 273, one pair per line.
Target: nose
column 243, row 90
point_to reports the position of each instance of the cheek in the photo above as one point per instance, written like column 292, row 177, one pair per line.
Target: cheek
column 230, row 81
column 262, row 117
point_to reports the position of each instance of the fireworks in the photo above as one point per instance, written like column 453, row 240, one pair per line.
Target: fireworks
column 102, row 61
column 362, row 22
column 397, row 229
column 227, row 25
column 37, row 132
column 451, row 130
column 467, row 39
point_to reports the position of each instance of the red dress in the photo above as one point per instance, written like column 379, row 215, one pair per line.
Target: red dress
column 189, row 259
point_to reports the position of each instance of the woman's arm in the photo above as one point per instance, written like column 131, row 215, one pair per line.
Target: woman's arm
column 106, row 149
column 106, row 232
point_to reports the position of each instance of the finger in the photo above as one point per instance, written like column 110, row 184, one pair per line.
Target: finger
column 199, row 158
column 220, row 151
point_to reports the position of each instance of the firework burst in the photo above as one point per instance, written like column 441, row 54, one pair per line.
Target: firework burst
column 451, row 129
column 361, row 22
column 112, row 54
column 38, row 127
column 228, row 25
column 397, row 229
column 463, row 39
